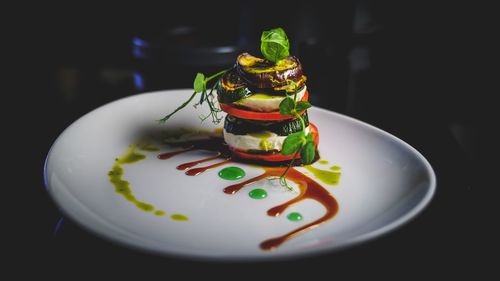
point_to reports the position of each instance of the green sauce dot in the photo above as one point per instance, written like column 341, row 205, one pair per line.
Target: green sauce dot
column 294, row 216
column 232, row 173
column 323, row 161
column 335, row 168
column 258, row 193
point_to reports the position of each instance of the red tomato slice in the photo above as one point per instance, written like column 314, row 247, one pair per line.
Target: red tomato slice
column 275, row 157
column 255, row 115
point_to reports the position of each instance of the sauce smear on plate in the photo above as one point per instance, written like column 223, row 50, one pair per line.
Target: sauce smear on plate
column 308, row 188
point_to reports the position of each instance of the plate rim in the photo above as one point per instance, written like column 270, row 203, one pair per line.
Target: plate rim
column 357, row 240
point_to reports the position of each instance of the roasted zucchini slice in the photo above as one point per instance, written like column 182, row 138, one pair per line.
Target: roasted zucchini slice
column 238, row 126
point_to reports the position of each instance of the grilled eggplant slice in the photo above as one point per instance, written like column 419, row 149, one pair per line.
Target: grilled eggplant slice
column 261, row 73
column 231, row 87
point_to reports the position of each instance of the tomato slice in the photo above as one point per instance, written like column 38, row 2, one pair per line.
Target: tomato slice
column 255, row 115
column 275, row 157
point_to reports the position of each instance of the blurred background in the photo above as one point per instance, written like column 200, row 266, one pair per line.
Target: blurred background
column 409, row 68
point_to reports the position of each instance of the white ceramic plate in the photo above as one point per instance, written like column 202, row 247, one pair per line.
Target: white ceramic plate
column 384, row 183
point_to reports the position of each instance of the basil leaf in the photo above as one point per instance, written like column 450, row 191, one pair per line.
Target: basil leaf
column 292, row 143
column 274, row 44
column 286, row 106
column 302, row 105
column 199, row 82
column 309, row 138
column 308, row 152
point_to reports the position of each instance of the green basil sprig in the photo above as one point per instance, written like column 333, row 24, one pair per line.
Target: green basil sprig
column 299, row 140
column 200, row 86
column 274, row 44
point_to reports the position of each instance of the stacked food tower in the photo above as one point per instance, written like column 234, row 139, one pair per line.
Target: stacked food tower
column 251, row 94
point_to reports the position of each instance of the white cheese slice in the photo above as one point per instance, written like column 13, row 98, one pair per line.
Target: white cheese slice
column 264, row 141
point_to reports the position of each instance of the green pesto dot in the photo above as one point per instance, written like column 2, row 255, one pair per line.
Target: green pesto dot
column 232, row 173
column 294, row 216
column 258, row 193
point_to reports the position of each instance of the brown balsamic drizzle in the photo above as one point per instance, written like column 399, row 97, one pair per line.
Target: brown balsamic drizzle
column 188, row 165
column 167, row 155
column 309, row 189
column 213, row 144
column 197, row 171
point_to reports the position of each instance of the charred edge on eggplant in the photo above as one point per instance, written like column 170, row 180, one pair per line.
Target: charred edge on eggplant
column 231, row 88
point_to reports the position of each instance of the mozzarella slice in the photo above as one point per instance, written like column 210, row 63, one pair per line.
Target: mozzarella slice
column 263, row 141
column 264, row 102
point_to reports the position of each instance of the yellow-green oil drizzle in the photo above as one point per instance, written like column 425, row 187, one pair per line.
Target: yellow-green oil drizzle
column 146, row 146
column 122, row 186
column 328, row 177
column 160, row 213
column 335, row 168
column 263, row 136
column 324, row 162
column 179, row 217
column 261, row 96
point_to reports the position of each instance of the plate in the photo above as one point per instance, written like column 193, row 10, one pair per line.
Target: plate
column 104, row 172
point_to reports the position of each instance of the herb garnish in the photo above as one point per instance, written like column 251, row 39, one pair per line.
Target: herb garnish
column 200, row 86
column 274, row 44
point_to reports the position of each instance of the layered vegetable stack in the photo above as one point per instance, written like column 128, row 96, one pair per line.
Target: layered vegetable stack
column 262, row 99
column 266, row 101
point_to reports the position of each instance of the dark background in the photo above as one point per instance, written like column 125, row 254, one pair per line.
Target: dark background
column 415, row 70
